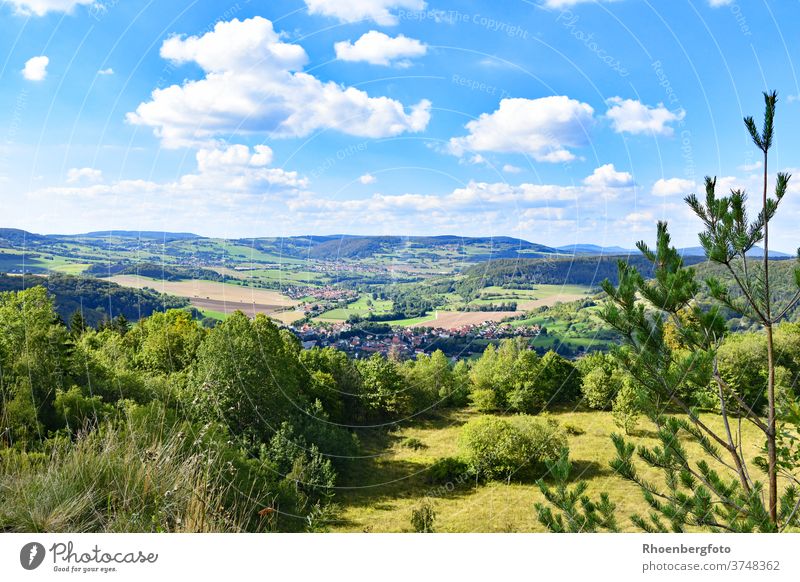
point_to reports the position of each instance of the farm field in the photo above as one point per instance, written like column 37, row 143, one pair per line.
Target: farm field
column 221, row 309
column 454, row 319
column 527, row 299
column 12, row 261
column 207, row 290
column 363, row 306
column 380, row 495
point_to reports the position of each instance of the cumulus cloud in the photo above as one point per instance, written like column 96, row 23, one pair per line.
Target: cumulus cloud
column 673, row 187
column 105, row 72
column 225, row 175
column 475, row 196
column 42, row 7
column 254, row 84
column 545, row 128
column 606, row 180
column 84, row 174
column 379, row 11
column 631, row 116
column 378, row 48
column 36, row 68
column 511, row 169
column 367, row 179
column 718, row 3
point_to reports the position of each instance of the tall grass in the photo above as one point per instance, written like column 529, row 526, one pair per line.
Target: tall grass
column 130, row 479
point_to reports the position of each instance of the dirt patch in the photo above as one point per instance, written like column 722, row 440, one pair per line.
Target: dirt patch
column 209, row 290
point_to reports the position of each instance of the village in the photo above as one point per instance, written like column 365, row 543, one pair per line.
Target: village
column 363, row 340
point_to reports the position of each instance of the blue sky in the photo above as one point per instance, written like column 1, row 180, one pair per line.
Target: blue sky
column 557, row 121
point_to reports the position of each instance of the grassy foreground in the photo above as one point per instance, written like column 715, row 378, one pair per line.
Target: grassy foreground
column 381, row 495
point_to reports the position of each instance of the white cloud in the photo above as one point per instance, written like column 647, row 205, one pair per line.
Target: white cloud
column 224, row 175
column 718, row 3
column 367, row 179
column 42, row 7
column 606, row 179
column 254, row 84
column 641, row 221
column 751, row 167
column 673, row 187
column 378, row 48
column 631, row 116
column 236, row 168
column 84, row 174
column 510, row 169
column 544, row 128
column 108, row 71
column 379, row 11
column 475, row 196
column 36, row 68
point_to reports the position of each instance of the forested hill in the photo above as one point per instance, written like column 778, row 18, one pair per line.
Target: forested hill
column 362, row 247
column 98, row 300
column 590, row 271
column 522, row 273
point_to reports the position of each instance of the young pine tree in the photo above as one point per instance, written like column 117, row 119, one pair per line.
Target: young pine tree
column 670, row 348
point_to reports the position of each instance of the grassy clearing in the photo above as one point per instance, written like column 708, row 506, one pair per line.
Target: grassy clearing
column 13, row 261
column 218, row 315
column 362, row 307
column 381, row 495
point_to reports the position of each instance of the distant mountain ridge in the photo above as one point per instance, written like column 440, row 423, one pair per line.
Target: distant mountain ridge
column 595, row 250
column 345, row 246
column 148, row 234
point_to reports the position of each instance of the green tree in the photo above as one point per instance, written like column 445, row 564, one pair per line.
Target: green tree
column 430, row 380
column 33, row 364
column 247, row 376
column 77, row 324
column 385, row 394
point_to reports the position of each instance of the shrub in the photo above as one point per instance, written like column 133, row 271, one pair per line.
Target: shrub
column 573, row 429
column 422, row 518
column 413, row 443
column 626, row 408
column 495, row 447
column 448, row 470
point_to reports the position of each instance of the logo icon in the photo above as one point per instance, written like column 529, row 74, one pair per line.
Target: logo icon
column 31, row 555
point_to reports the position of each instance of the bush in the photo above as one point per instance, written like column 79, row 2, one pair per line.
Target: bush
column 413, row 443
column 422, row 518
column 448, row 470
column 496, row 447
column 573, row 429
column 626, row 408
